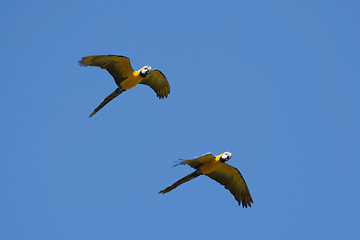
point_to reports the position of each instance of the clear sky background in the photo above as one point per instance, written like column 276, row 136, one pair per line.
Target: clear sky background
column 276, row 83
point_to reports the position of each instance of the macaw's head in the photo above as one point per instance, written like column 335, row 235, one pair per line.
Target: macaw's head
column 225, row 156
column 145, row 71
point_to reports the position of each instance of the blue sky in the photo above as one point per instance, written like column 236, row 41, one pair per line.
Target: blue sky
column 274, row 82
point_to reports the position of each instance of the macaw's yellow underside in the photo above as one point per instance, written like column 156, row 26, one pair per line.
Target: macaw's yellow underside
column 132, row 80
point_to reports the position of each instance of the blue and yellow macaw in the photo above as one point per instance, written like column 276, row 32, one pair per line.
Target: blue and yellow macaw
column 125, row 77
column 218, row 170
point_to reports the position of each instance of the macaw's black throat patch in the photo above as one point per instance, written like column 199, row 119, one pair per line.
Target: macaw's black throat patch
column 142, row 75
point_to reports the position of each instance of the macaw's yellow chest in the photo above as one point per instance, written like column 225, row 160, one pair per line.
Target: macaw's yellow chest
column 133, row 80
column 209, row 167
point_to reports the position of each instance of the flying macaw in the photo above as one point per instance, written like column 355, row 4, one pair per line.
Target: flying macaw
column 125, row 77
column 218, row 170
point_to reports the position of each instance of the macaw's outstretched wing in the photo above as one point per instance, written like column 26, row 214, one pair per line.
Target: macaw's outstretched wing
column 197, row 162
column 118, row 66
column 231, row 179
column 158, row 82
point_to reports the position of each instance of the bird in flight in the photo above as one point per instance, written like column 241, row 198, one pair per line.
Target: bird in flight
column 125, row 77
column 218, row 170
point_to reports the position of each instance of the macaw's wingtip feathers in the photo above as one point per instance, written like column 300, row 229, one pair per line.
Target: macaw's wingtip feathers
column 246, row 206
column 92, row 114
column 246, row 203
column 85, row 61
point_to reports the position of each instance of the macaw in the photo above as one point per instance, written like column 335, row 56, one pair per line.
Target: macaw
column 218, row 170
column 125, row 77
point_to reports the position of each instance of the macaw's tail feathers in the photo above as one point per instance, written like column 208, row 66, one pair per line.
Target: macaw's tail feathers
column 181, row 181
column 178, row 162
column 113, row 95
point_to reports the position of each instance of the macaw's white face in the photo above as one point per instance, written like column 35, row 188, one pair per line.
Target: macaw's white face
column 146, row 71
column 226, row 156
